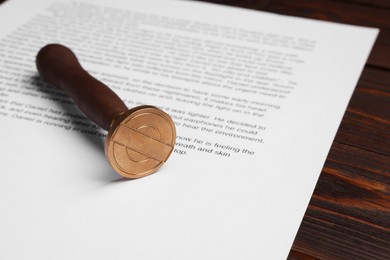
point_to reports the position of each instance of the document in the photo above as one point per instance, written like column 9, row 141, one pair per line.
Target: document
column 256, row 98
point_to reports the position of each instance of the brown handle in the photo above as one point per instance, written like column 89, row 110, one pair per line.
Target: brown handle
column 59, row 66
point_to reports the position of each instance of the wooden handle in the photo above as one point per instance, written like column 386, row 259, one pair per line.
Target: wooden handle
column 59, row 66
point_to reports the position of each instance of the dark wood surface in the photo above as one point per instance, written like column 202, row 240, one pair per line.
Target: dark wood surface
column 349, row 213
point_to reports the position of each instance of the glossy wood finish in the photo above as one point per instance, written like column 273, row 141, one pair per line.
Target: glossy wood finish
column 59, row 66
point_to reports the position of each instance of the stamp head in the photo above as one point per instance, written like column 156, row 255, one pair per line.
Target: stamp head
column 140, row 141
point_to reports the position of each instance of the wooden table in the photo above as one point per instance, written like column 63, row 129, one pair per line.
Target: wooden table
column 349, row 213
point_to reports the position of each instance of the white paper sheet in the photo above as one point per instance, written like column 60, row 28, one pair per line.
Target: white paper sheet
column 257, row 99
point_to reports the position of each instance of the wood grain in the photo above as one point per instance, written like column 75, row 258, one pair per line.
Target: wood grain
column 380, row 55
column 348, row 216
column 366, row 123
column 376, row 3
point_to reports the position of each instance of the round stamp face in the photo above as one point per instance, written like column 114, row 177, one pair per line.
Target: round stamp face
column 140, row 141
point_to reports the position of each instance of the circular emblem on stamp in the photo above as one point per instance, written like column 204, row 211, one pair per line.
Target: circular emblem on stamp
column 140, row 141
